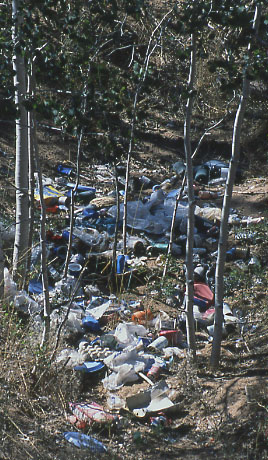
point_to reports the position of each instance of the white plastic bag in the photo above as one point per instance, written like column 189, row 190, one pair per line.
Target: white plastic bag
column 127, row 334
column 26, row 304
column 116, row 380
column 10, row 287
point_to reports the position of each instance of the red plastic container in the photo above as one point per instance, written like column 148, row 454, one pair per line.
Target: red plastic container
column 173, row 336
column 203, row 292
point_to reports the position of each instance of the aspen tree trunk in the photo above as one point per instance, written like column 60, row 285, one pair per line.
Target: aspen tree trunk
column 46, row 311
column 113, row 266
column 223, row 239
column 74, row 190
column 191, row 203
column 21, row 166
column 149, row 52
column 1, row 268
column 172, row 227
column 31, row 175
column 73, row 193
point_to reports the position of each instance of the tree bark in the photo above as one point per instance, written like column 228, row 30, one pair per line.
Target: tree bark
column 35, row 153
column 21, row 166
column 191, row 203
column 1, row 268
column 223, row 239
column 31, row 176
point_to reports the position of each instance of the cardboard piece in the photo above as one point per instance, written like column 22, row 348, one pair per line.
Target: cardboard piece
column 152, row 400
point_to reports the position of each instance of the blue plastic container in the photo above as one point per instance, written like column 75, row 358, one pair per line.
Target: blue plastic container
column 90, row 212
column 121, row 263
column 64, row 170
column 36, row 287
column 74, row 269
column 90, row 367
column 91, row 324
column 82, row 188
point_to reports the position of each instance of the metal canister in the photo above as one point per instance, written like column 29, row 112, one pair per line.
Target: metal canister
column 154, row 372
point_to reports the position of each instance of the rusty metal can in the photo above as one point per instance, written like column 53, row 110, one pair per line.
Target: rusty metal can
column 154, row 372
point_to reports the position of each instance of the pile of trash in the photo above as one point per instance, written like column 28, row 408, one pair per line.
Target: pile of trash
column 119, row 341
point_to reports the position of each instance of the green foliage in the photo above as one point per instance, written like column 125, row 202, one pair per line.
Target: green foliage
column 89, row 60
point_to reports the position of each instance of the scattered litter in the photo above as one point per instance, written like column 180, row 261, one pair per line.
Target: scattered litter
column 82, row 440
column 153, row 400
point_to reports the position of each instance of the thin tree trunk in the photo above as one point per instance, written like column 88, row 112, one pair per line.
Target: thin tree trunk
column 191, row 203
column 21, row 166
column 207, row 131
column 223, row 239
column 172, row 227
column 1, row 268
column 31, row 176
column 113, row 267
column 149, row 52
column 46, row 311
column 73, row 192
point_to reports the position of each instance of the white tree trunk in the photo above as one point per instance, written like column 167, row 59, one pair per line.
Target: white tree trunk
column 31, row 176
column 223, row 239
column 191, row 204
column 1, row 268
column 21, row 167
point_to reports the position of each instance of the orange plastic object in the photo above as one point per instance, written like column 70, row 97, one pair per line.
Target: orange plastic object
column 142, row 316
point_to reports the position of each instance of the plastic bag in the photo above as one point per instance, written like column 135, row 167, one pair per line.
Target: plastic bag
column 10, row 287
column 91, row 237
column 83, row 440
column 127, row 334
column 125, row 374
column 70, row 357
column 26, row 304
column 73, row 323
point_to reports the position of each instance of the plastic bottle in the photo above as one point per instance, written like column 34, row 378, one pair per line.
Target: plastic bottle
column 115, row 402
column 159, row 343
column 201, row 173
column 92, row 238
column 36, row 255
column 53, row 273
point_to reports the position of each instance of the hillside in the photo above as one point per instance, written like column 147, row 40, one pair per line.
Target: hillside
column 215, row 414
column 221, row 413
